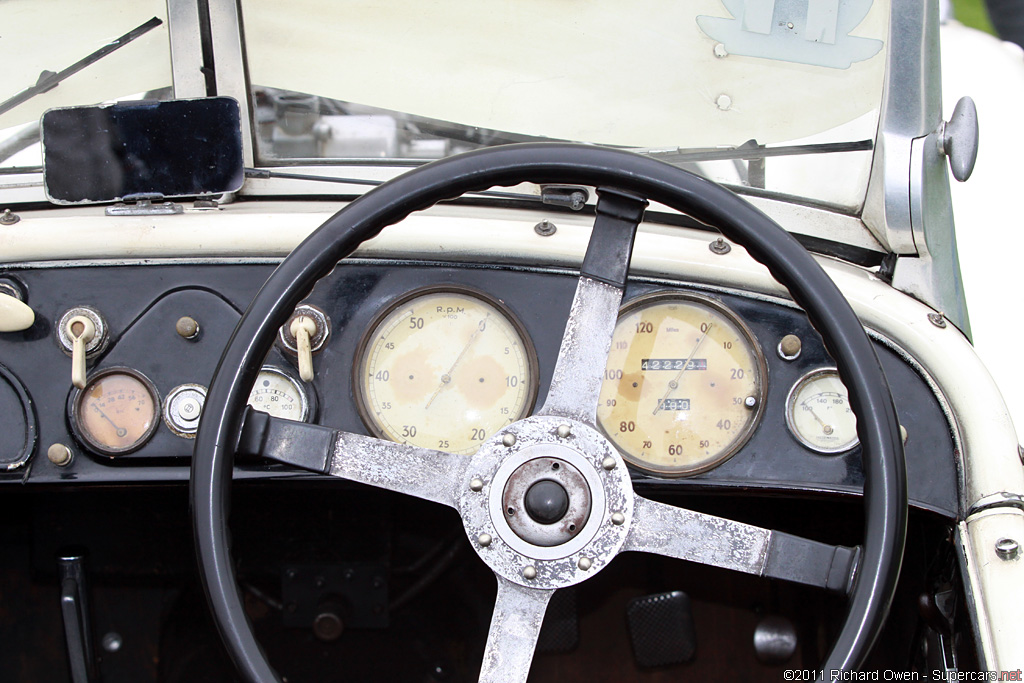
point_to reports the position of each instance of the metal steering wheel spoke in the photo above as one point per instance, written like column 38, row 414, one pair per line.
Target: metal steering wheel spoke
column 432, row 475
column 707, row 539
column 512, row 637
column 576, row 382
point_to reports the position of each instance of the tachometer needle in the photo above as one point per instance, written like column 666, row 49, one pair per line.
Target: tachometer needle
column 674, row 383
column 446, row 378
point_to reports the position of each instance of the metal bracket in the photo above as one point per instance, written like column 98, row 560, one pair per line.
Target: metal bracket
column 144, row 206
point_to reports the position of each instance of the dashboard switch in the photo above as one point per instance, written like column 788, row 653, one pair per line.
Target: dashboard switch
column 15, row 315
column 81, row 330
column 304, row 334
column 303, row 329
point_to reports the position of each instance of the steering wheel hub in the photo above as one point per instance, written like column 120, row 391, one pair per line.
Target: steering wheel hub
column 547, row 451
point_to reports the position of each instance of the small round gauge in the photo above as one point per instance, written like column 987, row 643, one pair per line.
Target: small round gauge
column 117, row 411
column 819, row 415
column 279, row 394
column 684, row 385
column 445, row 368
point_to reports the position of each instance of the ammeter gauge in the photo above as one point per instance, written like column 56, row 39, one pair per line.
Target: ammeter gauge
column 117, row 411
column 445, row 368
column 819, row 415
column 279, row 394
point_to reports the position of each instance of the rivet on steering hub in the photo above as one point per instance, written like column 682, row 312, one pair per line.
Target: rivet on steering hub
column 608, row 463
column 529, row 572
column 476, row 484
column 484, row 540
column 509, row 440
column 585, row 563
column 564, row 431
column 618, row 519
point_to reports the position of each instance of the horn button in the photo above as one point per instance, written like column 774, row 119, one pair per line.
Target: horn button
column 546, row 501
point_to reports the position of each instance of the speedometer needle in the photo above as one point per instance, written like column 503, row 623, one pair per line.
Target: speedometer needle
column 446, row 378
column 674, row 383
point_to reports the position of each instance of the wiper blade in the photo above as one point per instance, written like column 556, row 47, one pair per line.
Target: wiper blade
column 48, row 80
column 682, row 156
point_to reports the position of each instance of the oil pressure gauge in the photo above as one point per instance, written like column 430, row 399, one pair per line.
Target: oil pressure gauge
column 117, row 412
column 819, row 415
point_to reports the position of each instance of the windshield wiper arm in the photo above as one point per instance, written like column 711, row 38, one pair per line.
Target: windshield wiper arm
column 682, row 156
column 49, row 80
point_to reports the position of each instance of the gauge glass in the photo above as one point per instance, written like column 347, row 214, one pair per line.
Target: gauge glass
column 819, row 415
column 445, row 368
column 684, row 384
column 279, row 394
column 117, row 411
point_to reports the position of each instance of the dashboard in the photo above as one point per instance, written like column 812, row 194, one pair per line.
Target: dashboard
column 705, row 389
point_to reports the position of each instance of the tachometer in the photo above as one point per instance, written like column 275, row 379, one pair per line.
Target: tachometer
column 445, row 368
column 684, row 384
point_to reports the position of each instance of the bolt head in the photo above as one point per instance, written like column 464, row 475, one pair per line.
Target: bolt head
column 585, row 563
column 618, row 519
column 608, row 463
column 509, row 440
column 529, row 572
column 564, row 431
column 750, row 401
column 937, row 319
column 476, row 484
column 484, row 540
column 1007, row 548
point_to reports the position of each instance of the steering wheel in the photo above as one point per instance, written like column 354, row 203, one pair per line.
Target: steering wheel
column 564, row 429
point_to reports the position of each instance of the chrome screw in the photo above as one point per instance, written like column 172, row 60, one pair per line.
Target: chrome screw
column 8, row 218
column 476, row 484
column 618, row 519
column 509, row 440
column 937, row 319
column 484, row 540
column 564, row 431
column 585, row 563
column 545, row 228
column 112, row 641
column 1007, row 548
column 608, row 463
column 720, row 246
column 750, row 401
column 529, row 572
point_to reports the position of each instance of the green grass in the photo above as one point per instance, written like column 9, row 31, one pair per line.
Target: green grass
column 972, row 13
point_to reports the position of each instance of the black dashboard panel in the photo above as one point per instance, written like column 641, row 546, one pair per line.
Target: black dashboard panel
column 141, row 304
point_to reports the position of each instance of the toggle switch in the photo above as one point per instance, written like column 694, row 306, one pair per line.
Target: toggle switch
column 82, row 334
column 304, row 334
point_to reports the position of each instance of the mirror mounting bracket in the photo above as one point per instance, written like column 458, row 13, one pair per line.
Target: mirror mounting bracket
column 144, row 205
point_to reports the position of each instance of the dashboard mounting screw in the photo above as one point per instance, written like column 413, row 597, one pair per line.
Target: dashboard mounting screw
column 545, row 228
column 608, row 463
column 8, row 218
column 618, row 519
column 720, row 247
column 484, row 540
column 509, row 440
column 750, row 401
column 476, row 484
column 937, row 319
column 529, row 572
column 1007, row 548
column 564, row 431
column 585, row 563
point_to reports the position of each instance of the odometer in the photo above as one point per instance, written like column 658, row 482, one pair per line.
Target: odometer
column 684, row 384
column 445, row 368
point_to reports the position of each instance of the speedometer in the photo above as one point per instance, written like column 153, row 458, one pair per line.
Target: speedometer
column 445, row 368
column 684, row 384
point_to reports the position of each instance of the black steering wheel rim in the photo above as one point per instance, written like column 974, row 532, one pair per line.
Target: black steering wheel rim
column 885, row 479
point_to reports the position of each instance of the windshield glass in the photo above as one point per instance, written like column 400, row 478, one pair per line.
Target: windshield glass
column 95, row 51
column 781, row 95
